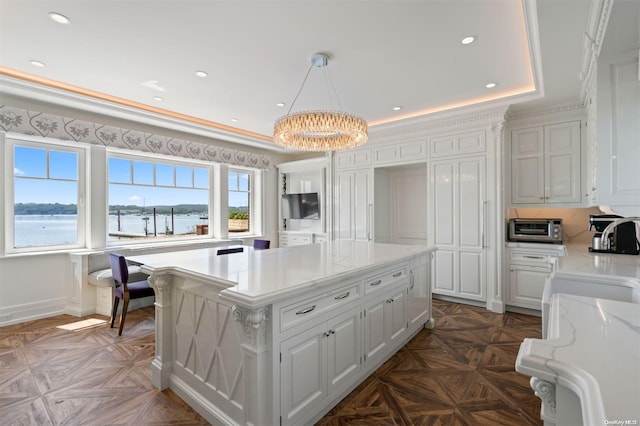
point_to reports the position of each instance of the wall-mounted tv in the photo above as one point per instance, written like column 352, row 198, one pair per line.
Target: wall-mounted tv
column 301, row 206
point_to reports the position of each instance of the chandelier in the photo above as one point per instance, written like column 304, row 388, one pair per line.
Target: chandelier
column 319, row 130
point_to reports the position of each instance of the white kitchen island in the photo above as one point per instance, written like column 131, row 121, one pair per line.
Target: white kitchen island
column 280, row 336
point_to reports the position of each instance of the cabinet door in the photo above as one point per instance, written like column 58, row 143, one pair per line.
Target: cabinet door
column 562, row 163
column 343, row 349
column 395, row 315
column 527, row 166
column 362, row 204
column 418, row 300
column 353, row 208
column 458, row 226
column 343, row 217
column 526, row 284
column 303, row 373
column 375, row 341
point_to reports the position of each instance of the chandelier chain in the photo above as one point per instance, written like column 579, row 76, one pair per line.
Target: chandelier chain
column 300, row 90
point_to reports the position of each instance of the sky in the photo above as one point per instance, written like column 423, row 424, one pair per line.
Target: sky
column 130, row 182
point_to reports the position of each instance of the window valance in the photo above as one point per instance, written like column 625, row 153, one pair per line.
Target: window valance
column 47, row 125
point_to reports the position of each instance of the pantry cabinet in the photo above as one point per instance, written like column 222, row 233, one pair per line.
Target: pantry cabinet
column 353, row 193
column 545, row 164
column 458, row 211
column 618, row 130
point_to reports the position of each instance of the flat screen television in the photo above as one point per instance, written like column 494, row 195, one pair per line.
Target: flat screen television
column 301, row 206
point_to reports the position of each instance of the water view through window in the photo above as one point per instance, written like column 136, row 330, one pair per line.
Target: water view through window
column 156, row 199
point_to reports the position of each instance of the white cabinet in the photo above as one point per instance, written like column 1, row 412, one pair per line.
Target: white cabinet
column 618, row 130
column 407, row 152
column 317, row 362
column 418, row 293
column 528, row 271
column 353, row 205
column 384, row 323
column 457, row 228
column 545, row 164
column 299, row 238
column 351, row 159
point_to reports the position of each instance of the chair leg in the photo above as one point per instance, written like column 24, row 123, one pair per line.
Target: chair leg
column 116, row 301
column 125, row 306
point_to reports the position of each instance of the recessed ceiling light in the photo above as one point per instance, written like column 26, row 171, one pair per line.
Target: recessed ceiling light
column 397, row 108
column 201, row 74
column 490, row 85
column 158, row 98
column 36, row 63
column 468, row 40
column 280, row 104
column 60, row 19
column 235, row 120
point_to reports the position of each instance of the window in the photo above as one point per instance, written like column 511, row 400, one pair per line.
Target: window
column 44, row 195
column 151, row 199
column 240, row 202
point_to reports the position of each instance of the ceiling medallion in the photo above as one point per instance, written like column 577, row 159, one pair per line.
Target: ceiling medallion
column 319, row 130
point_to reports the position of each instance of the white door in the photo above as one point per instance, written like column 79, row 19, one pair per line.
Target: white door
column 395, row 314
column 526, row 284
column 418, row 296
column 303, row 373
column 343, row 349
column 363, row 204
column 562, row 162
column 458, row 226
column 374, row 331
column 527, row 166
column 343, row 213
column 354, row 205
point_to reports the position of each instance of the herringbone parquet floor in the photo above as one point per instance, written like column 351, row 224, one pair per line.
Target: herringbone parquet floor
column 460, row 373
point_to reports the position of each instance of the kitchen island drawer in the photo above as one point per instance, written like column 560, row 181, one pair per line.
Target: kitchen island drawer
column 385, row 279
column 302, row 311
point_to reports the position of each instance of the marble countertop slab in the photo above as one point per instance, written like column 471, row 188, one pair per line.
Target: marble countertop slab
column 580, row 261
column 593, row 348
column 259, row 277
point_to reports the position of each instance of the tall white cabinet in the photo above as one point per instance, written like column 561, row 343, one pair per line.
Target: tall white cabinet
column 353, row 195
column 458, row 212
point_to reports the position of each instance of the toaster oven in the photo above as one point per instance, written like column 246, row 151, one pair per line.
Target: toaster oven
column 535, row 230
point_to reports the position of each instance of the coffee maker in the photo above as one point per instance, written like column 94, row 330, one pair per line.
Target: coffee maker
column 622, row 239
column 599, row 222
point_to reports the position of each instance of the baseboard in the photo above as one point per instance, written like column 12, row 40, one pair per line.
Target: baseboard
column 32, row 311
column 196, row 401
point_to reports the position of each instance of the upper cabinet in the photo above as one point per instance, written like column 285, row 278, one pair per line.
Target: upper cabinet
column 546, row 164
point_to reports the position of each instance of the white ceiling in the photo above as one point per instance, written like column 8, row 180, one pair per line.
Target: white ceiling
column 256, row 53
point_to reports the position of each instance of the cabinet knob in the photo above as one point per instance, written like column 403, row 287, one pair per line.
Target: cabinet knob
column 542, row 198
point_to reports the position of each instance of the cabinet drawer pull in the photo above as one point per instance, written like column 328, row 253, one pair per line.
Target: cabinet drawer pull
column 397, row 274
column 306, row 311
column 534, row 257
column 342, row 296
column 390, row 300
column 377, row 282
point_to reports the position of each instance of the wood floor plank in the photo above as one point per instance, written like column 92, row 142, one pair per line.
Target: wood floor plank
column 460, row 373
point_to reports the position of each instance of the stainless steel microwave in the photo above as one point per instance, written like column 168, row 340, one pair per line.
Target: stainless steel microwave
column 535, row 230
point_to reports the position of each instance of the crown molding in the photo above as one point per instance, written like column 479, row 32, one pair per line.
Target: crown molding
column 44, row 93
column 593, row 41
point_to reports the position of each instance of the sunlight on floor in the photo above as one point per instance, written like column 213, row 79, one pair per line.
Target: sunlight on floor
column 82, row 325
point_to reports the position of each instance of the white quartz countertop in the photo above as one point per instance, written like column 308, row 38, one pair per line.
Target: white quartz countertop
column 593, row 349
column 580, row 261
column 259, row 277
